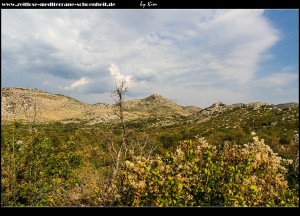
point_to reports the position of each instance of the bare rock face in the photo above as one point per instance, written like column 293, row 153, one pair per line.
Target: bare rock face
column 256, row 105
column 107, row 118
column 218, row 104
column 215, row 108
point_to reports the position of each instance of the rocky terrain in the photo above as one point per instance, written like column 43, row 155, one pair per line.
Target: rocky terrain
column 219, row 108
column 28, row 105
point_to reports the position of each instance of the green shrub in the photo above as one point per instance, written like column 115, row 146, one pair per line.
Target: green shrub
column 201, row 174
column 284, row 140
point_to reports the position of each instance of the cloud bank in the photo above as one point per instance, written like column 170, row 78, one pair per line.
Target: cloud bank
column 194, row 57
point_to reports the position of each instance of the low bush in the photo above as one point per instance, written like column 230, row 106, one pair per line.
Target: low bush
column 201, row 174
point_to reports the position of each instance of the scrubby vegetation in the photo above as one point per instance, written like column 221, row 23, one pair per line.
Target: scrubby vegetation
column 45, row 170
column 243, row 156
column 201, row 174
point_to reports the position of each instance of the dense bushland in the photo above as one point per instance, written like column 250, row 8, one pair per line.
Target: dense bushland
column 73, row 166
column 201, row 174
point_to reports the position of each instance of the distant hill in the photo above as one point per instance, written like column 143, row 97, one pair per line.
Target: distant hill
column 157, row 105
column 26, row 104
column 287, row 105
column 21, row 103
column 219, row 108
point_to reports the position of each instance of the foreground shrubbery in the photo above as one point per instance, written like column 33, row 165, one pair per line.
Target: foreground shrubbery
column 32, row 172
column 43, row 171
column 201, row 174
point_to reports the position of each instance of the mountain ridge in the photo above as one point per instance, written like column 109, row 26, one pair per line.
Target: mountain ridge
column 19, row 103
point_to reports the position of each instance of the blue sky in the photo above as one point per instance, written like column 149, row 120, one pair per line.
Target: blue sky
column 287, row 21
column 193, row 57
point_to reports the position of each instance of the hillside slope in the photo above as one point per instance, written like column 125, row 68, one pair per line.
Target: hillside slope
column 25, row 104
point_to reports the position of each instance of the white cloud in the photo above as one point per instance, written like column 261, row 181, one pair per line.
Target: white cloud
column 194, row 51
column 117, row 76
column 78, row 83
column 279, row 79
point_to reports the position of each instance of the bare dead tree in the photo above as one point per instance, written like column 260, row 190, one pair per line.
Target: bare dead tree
column 119, row 94
column 126, row 148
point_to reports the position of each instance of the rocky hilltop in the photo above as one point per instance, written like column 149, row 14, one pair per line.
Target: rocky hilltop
column 28, row 104
column 287, row 105
column 25, row 104
column 157, row 105
column 219, row 108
